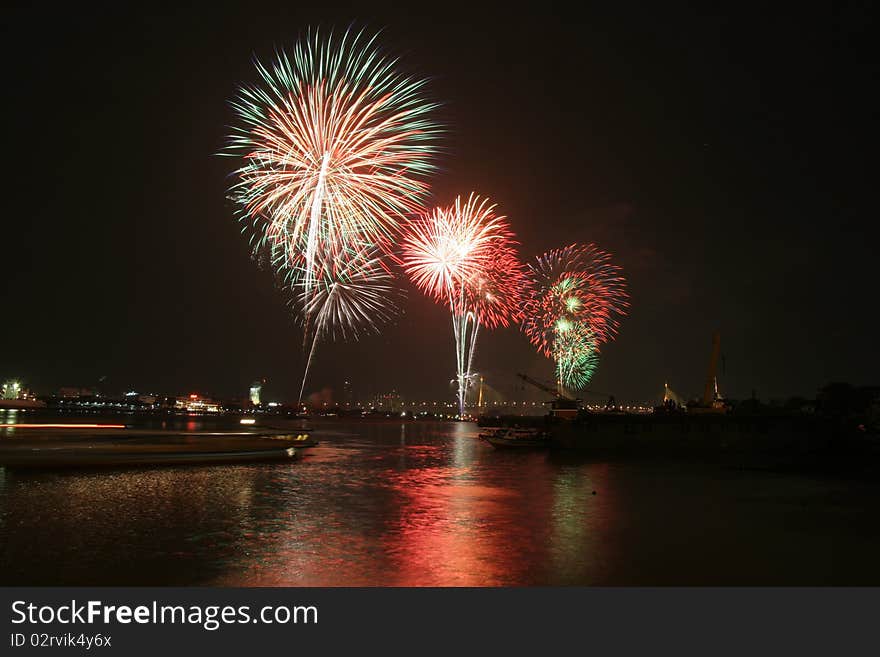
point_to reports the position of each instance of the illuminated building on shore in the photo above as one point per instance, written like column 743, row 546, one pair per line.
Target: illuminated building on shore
column 15, row 390
column 390, row 401
column 14, row 395
column 10, row 390
column 133, row 396
column 75, row 393
column 196, row 404
column 254, row 394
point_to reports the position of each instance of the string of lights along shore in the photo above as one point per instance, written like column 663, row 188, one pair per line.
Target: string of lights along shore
column 335, row 149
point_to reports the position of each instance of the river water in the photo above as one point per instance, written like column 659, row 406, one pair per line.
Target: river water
column 428, row 504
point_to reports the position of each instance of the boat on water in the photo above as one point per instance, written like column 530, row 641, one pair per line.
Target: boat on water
column 60, row 449
column 304, row 437
column 305, row 440
column 513, row 437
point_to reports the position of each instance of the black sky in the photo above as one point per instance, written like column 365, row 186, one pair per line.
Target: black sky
column 726, row 157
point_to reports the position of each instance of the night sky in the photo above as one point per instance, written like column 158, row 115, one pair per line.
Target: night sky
column 726, row 159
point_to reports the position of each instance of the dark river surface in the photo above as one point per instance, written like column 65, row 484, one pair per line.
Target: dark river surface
column 428, row 504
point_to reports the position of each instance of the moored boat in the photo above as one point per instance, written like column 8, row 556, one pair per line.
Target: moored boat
column 512, row 437
column 147, row 449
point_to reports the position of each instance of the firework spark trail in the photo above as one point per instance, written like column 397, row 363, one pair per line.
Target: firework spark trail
column 335, row 146
column 576, row 297
column 463, row 256
column 353, row 295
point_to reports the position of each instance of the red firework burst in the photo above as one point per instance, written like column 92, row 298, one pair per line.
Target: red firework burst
column 463, row 256
column 495, row 294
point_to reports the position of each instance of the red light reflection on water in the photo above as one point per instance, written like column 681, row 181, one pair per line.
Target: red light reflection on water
column 453, row 514
column 440, row 537
column 421, row 505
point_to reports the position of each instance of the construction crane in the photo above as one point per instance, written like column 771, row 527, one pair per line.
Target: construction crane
column 562, row 406
column 540, row 386
column 712, row 401
column 711, row 382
